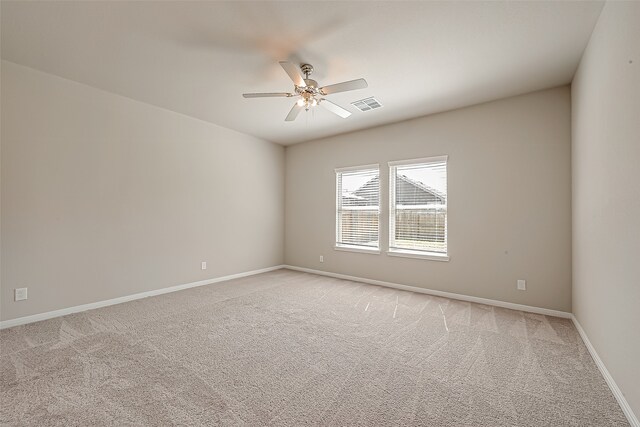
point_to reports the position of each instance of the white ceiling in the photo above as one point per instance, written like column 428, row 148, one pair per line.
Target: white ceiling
column 197, row 58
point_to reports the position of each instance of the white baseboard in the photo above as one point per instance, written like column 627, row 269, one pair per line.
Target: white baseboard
column 617, row 393
column 84, row 307
column 461, row 297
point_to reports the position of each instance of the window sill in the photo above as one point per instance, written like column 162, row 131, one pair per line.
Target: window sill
column 356, row 249
column 433, row 256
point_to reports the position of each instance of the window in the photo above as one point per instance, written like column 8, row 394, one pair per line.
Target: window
column 418, row 208
column 358, row 208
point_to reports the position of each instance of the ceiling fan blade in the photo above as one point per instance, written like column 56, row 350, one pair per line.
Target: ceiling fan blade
column 267, row 95
column 294, row 73
column 295, row 110
column 344, row 86
column 334, row 108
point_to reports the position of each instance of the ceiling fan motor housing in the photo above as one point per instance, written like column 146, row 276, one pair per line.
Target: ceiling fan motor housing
column 309, row 92
column 312, row 85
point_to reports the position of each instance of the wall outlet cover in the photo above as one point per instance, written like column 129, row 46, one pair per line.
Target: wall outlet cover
column 522, row 285
column 20, row 294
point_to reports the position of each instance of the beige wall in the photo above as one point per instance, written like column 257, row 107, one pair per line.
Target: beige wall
column 509, row 200
column 103, row 196
column 606, row 194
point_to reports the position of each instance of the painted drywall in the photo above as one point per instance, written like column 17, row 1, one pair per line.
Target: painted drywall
column 509, row 188
column 103, row 196
column 606, row 194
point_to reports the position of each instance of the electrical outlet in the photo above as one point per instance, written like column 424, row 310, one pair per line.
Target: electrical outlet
column 204, row 265
column 321, row 258
column 20, row 294
column 522, row 285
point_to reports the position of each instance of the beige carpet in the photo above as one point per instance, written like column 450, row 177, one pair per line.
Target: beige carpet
column 288, row 348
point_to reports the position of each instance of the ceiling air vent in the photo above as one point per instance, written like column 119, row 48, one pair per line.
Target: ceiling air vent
column 367, row 104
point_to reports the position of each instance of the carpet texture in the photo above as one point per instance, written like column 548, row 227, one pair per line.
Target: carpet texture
column 288, row 348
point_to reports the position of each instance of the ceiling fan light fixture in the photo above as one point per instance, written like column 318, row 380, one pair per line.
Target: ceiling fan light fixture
column 310, row 95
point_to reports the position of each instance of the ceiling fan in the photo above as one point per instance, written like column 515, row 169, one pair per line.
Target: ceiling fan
column 308, row 93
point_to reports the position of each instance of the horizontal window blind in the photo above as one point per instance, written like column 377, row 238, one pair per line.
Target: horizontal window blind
column 418, row 205
column 358, row 207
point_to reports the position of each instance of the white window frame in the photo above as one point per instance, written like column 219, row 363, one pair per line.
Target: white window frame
column 413, row 253
column 355, row 248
